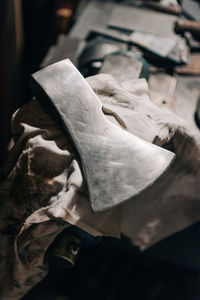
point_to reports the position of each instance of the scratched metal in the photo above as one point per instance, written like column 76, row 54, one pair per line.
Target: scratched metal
column 117, row 165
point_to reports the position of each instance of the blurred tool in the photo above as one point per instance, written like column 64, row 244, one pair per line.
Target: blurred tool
column 91, row 58
column 126, row 66
column 187, row 25
column 191, row 68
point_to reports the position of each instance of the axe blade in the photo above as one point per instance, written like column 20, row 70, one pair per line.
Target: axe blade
column 117, row 165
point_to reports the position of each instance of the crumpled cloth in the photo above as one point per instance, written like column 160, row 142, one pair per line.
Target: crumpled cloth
column 44, row 191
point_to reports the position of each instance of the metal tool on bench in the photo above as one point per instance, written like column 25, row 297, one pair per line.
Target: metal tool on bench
column 125, row 66
column 117, row 165
column 172, row 49
column 161, row 41
column 91, row 58
column 182, row 26
column 106, row 55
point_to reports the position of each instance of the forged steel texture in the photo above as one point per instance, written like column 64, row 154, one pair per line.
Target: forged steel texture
column 117, row 165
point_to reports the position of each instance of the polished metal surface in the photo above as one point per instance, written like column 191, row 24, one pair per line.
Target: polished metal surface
column 117, row 165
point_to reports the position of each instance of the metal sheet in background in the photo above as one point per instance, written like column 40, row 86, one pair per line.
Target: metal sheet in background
column 99, row 14
column 174, row 49
column 96, row 13
column 141, row 19
column 155, row 43
column 123, row 68
column 153, row 31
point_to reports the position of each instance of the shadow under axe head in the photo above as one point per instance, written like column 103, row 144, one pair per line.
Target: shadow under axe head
column 117, row 165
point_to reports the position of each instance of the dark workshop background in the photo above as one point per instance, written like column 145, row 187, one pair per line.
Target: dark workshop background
column 35, row 33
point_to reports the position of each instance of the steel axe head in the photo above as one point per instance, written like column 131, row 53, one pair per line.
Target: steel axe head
column 117, row 165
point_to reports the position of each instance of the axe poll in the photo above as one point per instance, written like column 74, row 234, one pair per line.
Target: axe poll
column 117, row 165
